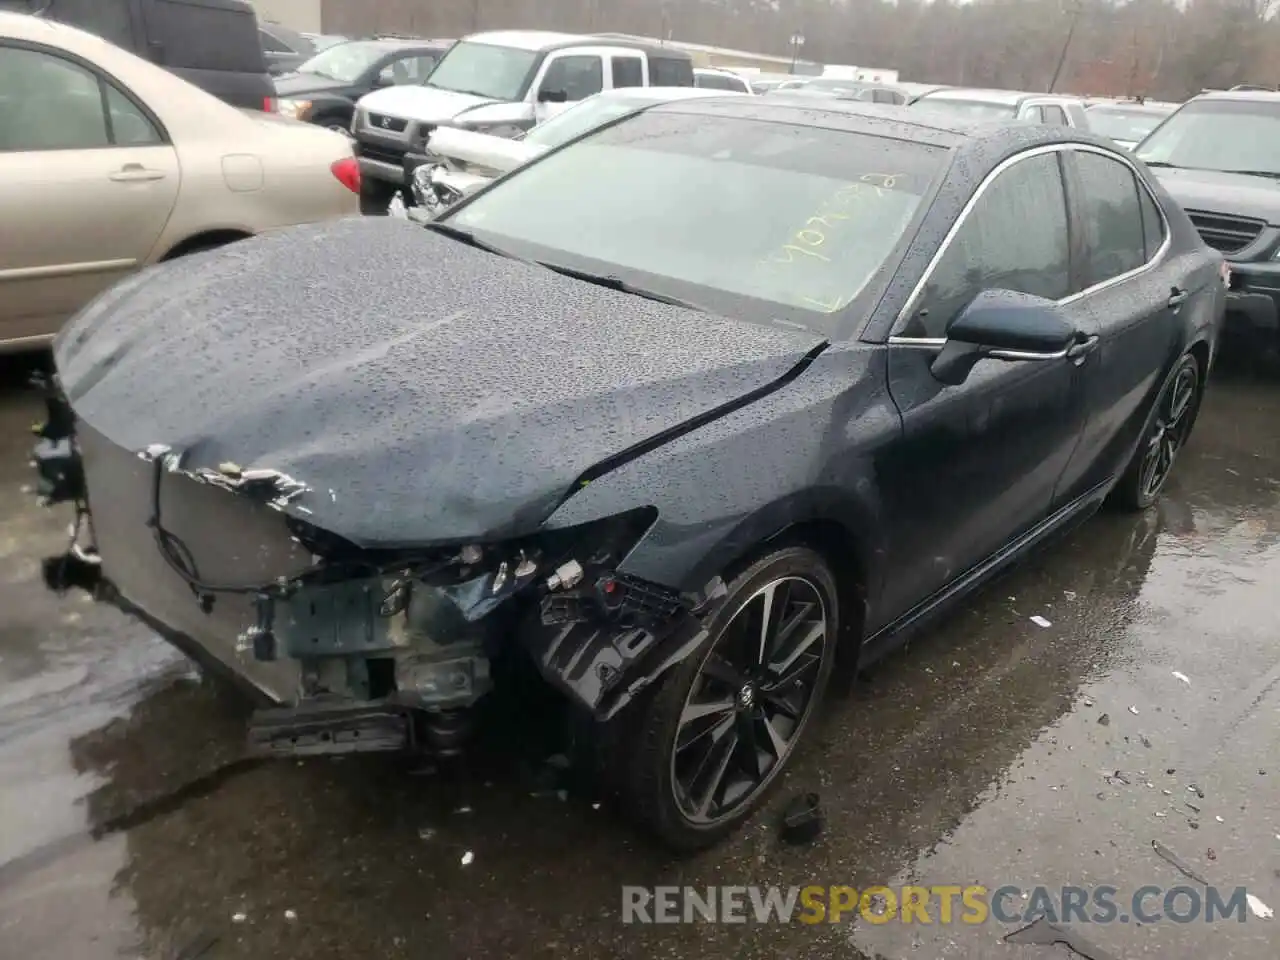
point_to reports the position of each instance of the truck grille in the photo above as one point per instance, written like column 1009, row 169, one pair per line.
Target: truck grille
column 391, row 124
column 231, row 540
column 1225, row 233
column 375, row 151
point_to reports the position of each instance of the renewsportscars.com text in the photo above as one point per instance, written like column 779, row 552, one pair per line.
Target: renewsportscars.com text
column 938, row 904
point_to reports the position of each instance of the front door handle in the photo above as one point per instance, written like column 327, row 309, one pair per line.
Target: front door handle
column 1080, row 350
column 1177, row 298
column 135, row 173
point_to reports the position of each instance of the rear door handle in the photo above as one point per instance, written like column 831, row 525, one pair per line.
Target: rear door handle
column 135, row 173
column 1081, row 349
column 1177, row 298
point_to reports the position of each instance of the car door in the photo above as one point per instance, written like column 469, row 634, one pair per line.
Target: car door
column 91, row 188
column 567, row 76
column 1130, row 292
column 978, row 463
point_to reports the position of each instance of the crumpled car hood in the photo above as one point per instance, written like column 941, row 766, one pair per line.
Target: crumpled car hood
column 422, row 389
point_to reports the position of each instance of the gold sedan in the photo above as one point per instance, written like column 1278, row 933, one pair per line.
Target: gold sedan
column 109, row 163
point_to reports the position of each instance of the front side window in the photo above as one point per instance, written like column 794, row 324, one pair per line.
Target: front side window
column 343, row 62
column 485, row 70
column 1112, row 214
column 576, row 76
column 1121, row 124
column 271, row 44
column 628, row 72
column 769, row 220
column 1014, row 238
column 1055, row 115
column 406, row 70
column 1233, row 136
column 48, row 103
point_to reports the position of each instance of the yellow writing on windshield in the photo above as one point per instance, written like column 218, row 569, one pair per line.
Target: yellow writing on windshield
column 809, row 242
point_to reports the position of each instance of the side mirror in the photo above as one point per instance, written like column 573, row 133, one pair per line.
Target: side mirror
column 1002, row 325
column 552, row 96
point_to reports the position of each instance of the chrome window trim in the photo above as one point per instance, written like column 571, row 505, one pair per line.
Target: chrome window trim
column 904, row 314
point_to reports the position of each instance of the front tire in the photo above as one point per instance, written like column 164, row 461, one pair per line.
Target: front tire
column 1165, row 436
column 703, row 751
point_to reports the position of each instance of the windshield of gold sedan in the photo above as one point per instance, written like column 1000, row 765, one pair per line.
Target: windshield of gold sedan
column 719, row 211
column 1234, row 136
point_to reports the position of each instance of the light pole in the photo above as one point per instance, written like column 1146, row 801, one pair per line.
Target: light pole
column 797, row 41
column 1066, row 45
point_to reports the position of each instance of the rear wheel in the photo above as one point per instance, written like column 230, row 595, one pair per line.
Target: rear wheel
column 703, row 751
column 1153, row 461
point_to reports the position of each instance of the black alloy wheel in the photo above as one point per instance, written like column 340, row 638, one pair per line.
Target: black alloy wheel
column 723, row 724
column 1169, row 430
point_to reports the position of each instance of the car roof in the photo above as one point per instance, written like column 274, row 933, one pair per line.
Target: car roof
column 544, row 40
column 982, row 95
column 1257, row 96
column 397, row 43
column 661, row 94
column 898, row 122
column 1130, row 106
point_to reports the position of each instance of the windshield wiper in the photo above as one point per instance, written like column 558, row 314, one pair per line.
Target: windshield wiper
column 610, row 282
column 1160, row 163
column 1269, row 174
column 467, row 237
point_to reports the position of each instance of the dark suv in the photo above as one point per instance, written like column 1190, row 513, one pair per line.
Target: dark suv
column 213, row 44
column 1219, row 156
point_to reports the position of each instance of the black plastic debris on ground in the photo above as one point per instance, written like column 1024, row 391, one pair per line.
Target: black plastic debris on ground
column 1045, row 934
column 802, row 819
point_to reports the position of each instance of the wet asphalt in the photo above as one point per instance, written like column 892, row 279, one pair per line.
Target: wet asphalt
column 131, row 825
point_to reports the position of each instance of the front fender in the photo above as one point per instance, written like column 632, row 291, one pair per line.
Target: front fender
column 804, row 453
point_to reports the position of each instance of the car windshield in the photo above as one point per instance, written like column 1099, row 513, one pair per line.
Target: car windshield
column 581, row 117
column 344, row 62
column 1121, row 124
column 1229, row 135
column 771, row 220
column 973, row 109
column 485, row 70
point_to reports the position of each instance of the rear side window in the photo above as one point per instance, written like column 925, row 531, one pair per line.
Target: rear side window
column 1014, row 238
column 271, row 44
column 189, row 35
column 109, row 19
column 628, row 72
column 670, row 72
column 50, row 103
column 1033, row 115
column 1112, row 213
column 1055, row 115
column 887, row 96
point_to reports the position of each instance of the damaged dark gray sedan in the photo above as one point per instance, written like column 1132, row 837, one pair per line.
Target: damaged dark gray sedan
column 690, row 416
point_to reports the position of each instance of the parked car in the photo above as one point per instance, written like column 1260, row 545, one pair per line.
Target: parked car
column 282, row 47
column 211, row 43
column 1006, row 104
column 501, row 83
column 458, row 162
column 323, row 41
column 324, row 89
column 870, row 91
column 1219, row 156
column 110, row 163
column 1127, row 121
column 713, row 79
column 767, row 82
column 682, row 451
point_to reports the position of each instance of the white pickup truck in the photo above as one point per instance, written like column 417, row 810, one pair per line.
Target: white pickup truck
column 458, row 161
column 500, row 83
